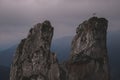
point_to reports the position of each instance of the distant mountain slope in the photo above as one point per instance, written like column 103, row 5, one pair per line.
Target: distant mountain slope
column 62, row 48
column 4, row 73
column 114, row 54
column 6, row 56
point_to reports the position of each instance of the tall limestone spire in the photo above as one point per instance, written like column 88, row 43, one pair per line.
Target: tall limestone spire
column 89, row 59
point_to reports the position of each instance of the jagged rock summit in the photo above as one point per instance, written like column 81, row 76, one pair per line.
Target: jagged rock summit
column 33, row 59
column 88, row 59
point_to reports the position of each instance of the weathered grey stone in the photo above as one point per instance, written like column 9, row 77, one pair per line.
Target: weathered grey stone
column 89, row 59
column 33, row 59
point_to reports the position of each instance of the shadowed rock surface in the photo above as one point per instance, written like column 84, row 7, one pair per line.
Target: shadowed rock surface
column 88, row 61
column 33, row 59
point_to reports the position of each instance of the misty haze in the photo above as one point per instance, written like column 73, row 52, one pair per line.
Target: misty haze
column 72, row 38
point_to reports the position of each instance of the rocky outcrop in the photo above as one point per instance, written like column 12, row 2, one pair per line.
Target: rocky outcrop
column 33, row 59
column 88, row 61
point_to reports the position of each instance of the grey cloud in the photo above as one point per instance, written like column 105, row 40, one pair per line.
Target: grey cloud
column 17, row 16
column 65, row 10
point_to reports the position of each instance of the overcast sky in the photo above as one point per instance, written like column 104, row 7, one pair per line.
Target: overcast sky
column 18, row 16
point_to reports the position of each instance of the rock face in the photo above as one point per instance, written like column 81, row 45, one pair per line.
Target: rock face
column 33, row 59
column 88, row 61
